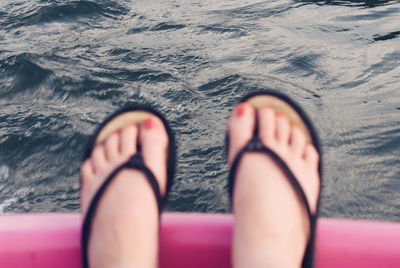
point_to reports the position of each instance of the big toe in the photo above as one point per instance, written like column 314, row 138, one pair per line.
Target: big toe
column 241, row 128
column 154, row 143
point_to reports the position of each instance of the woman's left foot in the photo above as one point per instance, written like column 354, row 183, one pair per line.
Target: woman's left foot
column 271, row 224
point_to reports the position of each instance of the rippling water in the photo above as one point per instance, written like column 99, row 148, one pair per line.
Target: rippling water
column 65, row 65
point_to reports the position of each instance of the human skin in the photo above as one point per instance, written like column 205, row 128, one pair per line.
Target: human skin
column 271, row 227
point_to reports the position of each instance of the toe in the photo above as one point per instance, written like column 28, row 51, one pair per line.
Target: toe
column 87, row 175
column 241, row 128
column 152, row 131
column 311, row 157
column 98, row 158
column 128, row 140
column 297, row 141
column 86, row 170
column 112, row 147
column 154, row 141
column 267, row 123
column 282, row 129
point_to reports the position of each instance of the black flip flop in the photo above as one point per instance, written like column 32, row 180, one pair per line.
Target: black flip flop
column 135, row 113
column 286, row 106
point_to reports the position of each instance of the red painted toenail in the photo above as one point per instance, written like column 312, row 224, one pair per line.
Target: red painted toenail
column 240, row 109
column 148, row 123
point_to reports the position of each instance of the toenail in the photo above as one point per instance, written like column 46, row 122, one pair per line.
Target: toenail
column 240, row 109
column 148, row 123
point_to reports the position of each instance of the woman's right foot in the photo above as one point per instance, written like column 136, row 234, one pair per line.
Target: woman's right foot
column 271, row 225
column 125, row 228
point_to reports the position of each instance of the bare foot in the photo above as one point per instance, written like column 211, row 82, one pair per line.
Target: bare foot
column 125, row 228
column 271, row 225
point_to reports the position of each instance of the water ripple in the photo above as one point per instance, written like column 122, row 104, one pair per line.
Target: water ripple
column 392, row 35
column 66, row 65
column 164, row 26
column 62, row 11
column 352, row 3
column 20, row 73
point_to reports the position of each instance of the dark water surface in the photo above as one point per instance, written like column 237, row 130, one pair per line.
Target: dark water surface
column 65, row 65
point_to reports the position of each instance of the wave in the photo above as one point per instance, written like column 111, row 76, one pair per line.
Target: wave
column 164, row 26
column 64, row 11
column 4, row 172
column 19, row 73
column 234, row 32
column 388, row 36
column 137, row 75
column 6, row 203
column 351, row 3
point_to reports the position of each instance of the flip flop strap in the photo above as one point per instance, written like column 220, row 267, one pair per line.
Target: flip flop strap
column 135, row 162
column 255, row 145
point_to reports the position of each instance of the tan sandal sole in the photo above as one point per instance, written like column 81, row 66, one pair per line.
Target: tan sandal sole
column 121, row 121
column 281, row 107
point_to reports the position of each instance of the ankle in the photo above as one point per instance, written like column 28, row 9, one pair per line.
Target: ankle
column 120, row 263
column 269, row 247
column 270, row 257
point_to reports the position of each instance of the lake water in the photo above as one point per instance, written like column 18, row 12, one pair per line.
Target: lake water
column 65, row 65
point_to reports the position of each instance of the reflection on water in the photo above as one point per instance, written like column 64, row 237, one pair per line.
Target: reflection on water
column 65, row 65
column 359, row 3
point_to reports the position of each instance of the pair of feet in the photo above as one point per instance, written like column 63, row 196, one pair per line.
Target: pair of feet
column 271, row 227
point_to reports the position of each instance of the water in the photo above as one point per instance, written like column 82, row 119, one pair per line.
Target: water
column 65, row 65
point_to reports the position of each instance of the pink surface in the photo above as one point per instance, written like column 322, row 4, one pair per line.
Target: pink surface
column 192, row 240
